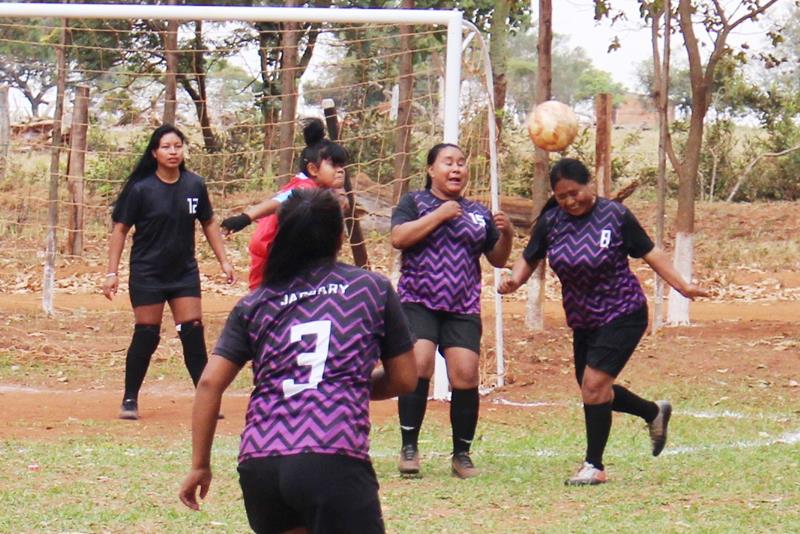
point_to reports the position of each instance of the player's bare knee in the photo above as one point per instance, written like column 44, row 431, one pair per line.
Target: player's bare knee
column 594, row 392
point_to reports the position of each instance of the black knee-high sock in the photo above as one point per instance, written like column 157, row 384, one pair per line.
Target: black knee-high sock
column 194, row 348
column 627, row 401
column 412, row 411
column 464, row 404
column 598, row 427
column 143, row 345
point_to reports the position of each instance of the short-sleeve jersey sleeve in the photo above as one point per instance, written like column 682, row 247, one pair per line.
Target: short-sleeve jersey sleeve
column 128, row 210
column 204, row 209
column 405, row 211
column 283, row 196
column 492, row 234
column 234, row 341
column 636, row 241
column 397, row 337
column 536, row 249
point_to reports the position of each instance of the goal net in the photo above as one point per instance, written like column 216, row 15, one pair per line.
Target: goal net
column 86, row 85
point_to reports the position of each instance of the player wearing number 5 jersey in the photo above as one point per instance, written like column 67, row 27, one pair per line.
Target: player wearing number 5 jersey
column 314, row 332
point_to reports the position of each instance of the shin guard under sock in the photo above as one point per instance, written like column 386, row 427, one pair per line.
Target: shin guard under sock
column 629, row 402
column 598, row 427
column 143, row 345
column 411, row 409
column 194, row 348
column 464, row 406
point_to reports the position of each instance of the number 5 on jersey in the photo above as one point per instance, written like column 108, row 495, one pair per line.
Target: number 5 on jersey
column 316, row 359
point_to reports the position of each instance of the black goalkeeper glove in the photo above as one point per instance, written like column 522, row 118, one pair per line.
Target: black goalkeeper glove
column 237, row 222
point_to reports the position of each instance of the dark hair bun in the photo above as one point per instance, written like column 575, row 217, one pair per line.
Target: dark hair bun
column 313, row 131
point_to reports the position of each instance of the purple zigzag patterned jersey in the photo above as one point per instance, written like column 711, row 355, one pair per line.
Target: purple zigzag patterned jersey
column 314, row 343
column 443, row 272
column 590, row 258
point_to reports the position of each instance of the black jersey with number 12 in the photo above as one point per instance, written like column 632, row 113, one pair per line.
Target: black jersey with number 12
column 163, row 216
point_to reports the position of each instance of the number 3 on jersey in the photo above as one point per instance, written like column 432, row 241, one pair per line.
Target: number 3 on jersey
column 316, row 360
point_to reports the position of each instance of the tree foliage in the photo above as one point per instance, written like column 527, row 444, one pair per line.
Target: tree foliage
column 27, row 58
column 575, row 79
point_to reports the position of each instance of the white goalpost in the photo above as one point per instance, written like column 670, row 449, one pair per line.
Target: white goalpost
column 450, row 104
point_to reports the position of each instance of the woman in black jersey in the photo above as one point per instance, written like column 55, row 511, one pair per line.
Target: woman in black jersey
column 162, row 200
column 587, row 241
column 314, row 331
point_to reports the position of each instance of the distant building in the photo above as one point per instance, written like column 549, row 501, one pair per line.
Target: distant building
column 638, row 111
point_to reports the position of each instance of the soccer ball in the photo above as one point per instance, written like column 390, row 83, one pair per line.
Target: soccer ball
column 552, row 126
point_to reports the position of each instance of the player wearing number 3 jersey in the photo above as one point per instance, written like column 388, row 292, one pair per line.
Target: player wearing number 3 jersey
column 314, row 332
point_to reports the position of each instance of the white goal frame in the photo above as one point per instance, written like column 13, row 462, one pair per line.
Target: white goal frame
column 452, row 19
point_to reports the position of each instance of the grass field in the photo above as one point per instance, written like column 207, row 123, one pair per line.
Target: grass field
column 732, row 463
column 729, row 467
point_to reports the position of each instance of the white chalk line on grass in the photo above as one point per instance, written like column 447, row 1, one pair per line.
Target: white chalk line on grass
column 145, row 391
column 787, row 438
column 159, row 392
column 537, row 404
column 701, row 414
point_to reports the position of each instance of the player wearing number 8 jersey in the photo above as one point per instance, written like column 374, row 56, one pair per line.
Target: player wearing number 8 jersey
column 314, row 332
column 587, row 241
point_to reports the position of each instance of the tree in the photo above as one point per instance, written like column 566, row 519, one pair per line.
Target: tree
column 716, row 21
column 498, row 52
column 534, row 309
column 192, row 73
column 680, row 93
column 575, row 79
column 27, row 56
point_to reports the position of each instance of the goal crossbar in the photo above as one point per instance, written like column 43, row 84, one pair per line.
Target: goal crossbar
column 450, row 18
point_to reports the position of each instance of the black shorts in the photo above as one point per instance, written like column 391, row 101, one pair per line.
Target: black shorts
column 608, row 347
column 326, row 493
column 446, row 329
column 146, row 296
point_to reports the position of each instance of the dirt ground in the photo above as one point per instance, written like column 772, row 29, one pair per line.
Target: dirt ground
column 72, row 385
column 63, row 374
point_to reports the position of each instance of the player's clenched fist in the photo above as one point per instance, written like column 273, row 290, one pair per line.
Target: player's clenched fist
column 449, row 210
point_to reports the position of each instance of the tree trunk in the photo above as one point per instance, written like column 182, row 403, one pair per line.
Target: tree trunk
column 269, row 111
column 661, row 80
column 199, row 64
column 534, row 311
column 5, row 131
column 77, row 157
column 171, row 83
column 352, row 224
column 602, row 146
column 288, row 73
column 702, row 81
column 498, row 54
column 49, row 281
column 402, row 135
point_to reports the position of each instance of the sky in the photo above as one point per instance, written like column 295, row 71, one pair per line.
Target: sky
column 575, row 20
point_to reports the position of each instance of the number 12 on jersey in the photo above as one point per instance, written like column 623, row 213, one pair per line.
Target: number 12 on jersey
column 316, row 360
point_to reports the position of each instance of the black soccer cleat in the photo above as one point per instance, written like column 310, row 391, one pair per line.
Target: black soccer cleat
column 129, row 410
column 658, row 426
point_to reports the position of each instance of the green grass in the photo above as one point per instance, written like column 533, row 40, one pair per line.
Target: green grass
column 718, row 474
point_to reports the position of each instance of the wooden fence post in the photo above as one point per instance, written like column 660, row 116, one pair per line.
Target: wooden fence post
column 5, row 131
column 78, row 144
column 351, row 221
column 602, row 146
